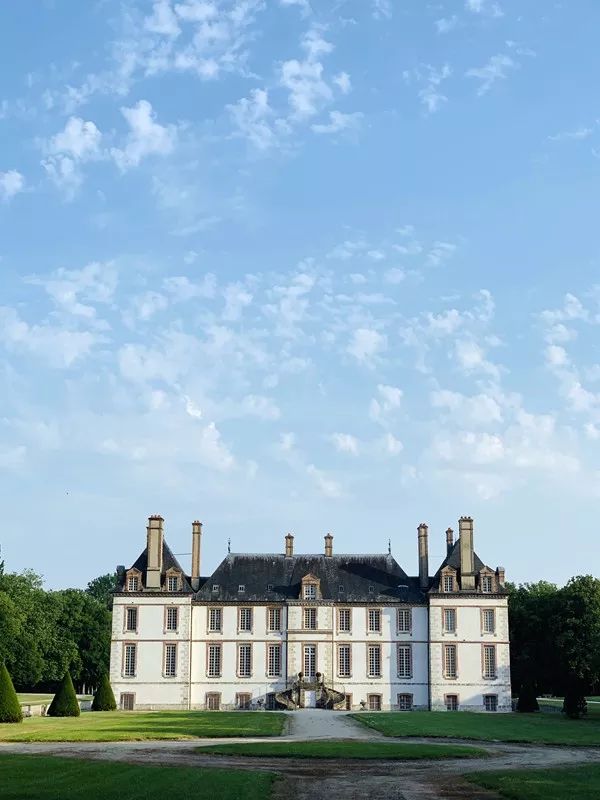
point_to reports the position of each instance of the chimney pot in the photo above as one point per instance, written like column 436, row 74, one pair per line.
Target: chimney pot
column 154, row 551
column 329, row 545
column 467, row 559
column 196, row 551
column 289, row 545
column 422, row 532
column 449, row 540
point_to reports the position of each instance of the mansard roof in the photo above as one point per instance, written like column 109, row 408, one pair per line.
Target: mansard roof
column 453, row 560
column 342, row 578
column 169, row 562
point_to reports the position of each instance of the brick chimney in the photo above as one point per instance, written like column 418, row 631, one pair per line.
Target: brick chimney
column 422, row 532
column 500, row 576
column 328, row 545
column 155, row 540
column 289, row 545
column 449, row 540
column 196, row 549
column 467, row 560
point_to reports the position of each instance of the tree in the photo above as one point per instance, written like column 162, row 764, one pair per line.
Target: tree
column 104, row 699
column 65, row 702
column 102, row 588
column 578, row 633
column 89, row 625
column 574, row 704
column 527, row 698
column 10, row 708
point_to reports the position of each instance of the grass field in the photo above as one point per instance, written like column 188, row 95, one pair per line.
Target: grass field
column 575, row 783
column 333, row 749
column 540, row 728
column 44, row 699
column 121, row 726
column 593, row 706
column 26, row 777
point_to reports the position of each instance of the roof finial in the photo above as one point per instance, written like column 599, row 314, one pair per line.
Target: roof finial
column 229, row 545
column 389, row 547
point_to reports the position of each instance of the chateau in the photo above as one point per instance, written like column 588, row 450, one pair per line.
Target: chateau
column 334, row 631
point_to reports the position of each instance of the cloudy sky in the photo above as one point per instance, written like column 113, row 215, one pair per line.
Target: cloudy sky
column 299, row 265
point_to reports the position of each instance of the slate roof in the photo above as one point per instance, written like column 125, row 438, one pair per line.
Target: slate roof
column 169, row 562
column 453, row 560
column 362, row 578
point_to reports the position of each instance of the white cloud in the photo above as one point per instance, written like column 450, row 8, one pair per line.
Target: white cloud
column 67, row 150
column 326, row 485
column 304, row 80
column 12, row 459
column 11, row 183
column 237, row 298
column 345, row 443
column 388, row 400
column 471, row 358
column 342, row 81
column 477, row 410
column 163, row 20
column 59, row 347
column 391, row 445
column 574, row 135
column 556, row 356
column 78, row 291
column 182, row 289
column 439, row 253
column 254, row 119
column 446, row 24
column 486, row 7
column 366, row 345
column 430, row 79
column 146, row 136
column 382, row 9
column 497, row 68
column 339, row 122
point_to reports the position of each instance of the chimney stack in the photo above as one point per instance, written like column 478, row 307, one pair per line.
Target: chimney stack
column 155, row 540
column 500, row 576
column 289, row 545
column 423, row 556
column 467, row 561
column 449, row 540
column 328, row 545
column 196, row 547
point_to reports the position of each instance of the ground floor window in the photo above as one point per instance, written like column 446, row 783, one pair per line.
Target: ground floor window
column 243, row 701
column 405, row 702
column 374, row 702
column 213, row 701
column 127, row 701
column 490, row 702
column 452, row 702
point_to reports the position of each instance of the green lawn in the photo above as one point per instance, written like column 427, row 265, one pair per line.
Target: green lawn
column 541, row 728
column 117, row 726
column 26, row 777
column 593, row 706
column 576, row 783
column 44, row 699
column 335, row 749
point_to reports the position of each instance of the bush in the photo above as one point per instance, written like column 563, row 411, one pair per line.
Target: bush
column 574, row 704
column 10, row 708
column 527, row 701
column 65, row 702
column 104, row 699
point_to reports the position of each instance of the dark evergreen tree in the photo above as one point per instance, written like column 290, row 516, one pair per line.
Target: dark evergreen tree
column 10, row 708
column 65, row 702
column 104, row 699
column 574, row 704
column 527, row 701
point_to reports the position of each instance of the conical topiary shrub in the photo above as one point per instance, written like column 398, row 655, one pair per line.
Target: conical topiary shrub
column 10, row 708
column 104, row 699
column 574, row 704
column 527, row 701
column 65, row 700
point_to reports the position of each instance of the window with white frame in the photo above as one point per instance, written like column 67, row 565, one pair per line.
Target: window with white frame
column 489, row 620
column 130, row 660
column 131, row 619
column 310, row 661
column 405, row 702
column 448, row 583
column 172, row 618
column 487, row 585
column 133, row 583
column 214, row 661
column 310, row 591
column 374, row 620
column 274, row 619
column 404, row 620
column 173, row 583
column 310, row 619
column 245, row 619
column 170, row 660
column 344, row 661
column 490, row 702
column 450, row 661
column 273, row 660
column 449, row 618
column 374, row 661
column 345, row 620
column 489, row 661
column 215, row 619
column 451, row 702
column 374, row 702
column 245, row 660
column 404, row 660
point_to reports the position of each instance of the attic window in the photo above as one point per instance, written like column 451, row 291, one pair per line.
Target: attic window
column 371, row 589
column 133, row 583
column 173, row 583
column 486, row 584
column 242, row 587
column 340, row 589
column 269, row 587
column 215, row 587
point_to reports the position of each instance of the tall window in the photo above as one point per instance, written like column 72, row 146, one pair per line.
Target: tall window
column 172, row 618
column 131, row 619
column 374, row 661
column 489, row 661
column 490, row 702
column 451, row 702
column 374, row 702
column 310, row 619
column 273, row 660
column 274, row 619
column 245, row 619
column 404, row 620
column 245, row 660
column 215, row 619
column 133, row 583
column 130, row 660
column 173, row 583
column 214, row 661
column 345, row 619
column 344, row 661
column 450, row 661
column 448, row 583
column 449, row 617
column 405, row 702
column 374, row 620
column 487, row 584
column 310, row 591
column 310, row 661
column 170, row 660
column 404, row 660
column 489, row 620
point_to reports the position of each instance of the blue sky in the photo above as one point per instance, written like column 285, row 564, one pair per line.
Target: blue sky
column 299, row 266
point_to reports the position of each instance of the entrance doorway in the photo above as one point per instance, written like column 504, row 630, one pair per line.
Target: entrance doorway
column 310, row 698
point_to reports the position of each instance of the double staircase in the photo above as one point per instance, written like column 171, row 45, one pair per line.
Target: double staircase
column 294, row 697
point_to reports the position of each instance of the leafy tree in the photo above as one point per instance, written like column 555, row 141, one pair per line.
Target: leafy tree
column 574, row 704
column 101, row 589
column 527, row 698
column 104, row 699
column 578, row 633
column 89, row 625
column 65, row 702
column 10, row 708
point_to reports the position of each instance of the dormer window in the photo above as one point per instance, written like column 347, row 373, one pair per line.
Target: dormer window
column 133, row 583
column 269, row 587
column 310, row 591
column 241, row 588
column 448, row 583
column 173, row 583
column 215, row 587
column 487, row 585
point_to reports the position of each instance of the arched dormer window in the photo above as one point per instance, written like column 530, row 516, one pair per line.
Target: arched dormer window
column 311, row 587
column 133, row 580
column 448, row 582
column 487, row 581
